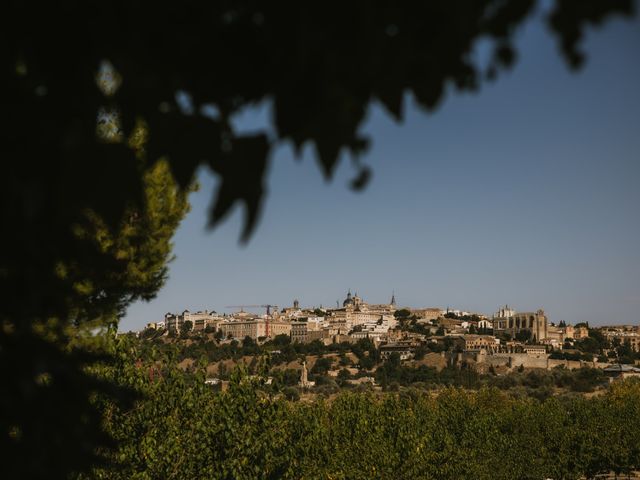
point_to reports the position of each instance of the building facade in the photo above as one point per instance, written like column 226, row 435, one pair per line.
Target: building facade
column 307, row 330
column 534, row 322
column 239, row 329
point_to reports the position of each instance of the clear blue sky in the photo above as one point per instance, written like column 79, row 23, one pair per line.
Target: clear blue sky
column 527, row 193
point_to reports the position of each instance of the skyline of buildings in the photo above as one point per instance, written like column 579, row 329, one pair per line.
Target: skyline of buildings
column 353, row 308
column 354, row 316
column 506, row 340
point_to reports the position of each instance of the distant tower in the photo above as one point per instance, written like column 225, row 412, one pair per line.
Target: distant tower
column 393, row 298
column 304, row 381
column 356, row 300
column 296, row 304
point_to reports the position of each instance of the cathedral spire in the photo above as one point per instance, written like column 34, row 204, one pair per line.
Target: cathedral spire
column 393, row 298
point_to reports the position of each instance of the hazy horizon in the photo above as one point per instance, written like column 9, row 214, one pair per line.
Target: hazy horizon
column 525, row 194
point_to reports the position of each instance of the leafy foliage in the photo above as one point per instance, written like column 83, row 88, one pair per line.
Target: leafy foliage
column 100, row 271
column 181, row 428
column 321, row 66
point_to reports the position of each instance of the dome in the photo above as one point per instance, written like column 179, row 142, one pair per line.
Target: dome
column 348, row 300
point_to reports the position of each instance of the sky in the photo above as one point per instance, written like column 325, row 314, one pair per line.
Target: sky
column 526, row 193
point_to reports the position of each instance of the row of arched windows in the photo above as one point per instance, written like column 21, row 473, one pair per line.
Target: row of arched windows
column 521, row 322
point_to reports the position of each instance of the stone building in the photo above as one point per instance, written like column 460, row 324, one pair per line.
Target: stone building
column 475, row 343
column 307, row 330
column 199, row 320
column 273, row 328
column 535, row 350
column 355, row 311
column 373, row 330
column 202, row 320
column 505, row 312
column 404, row 349
column 254, row 328
column 629, row 334
column 516, row 322
column 485, row 324
column 427, row 313
column 621, row 372
column 172, row 321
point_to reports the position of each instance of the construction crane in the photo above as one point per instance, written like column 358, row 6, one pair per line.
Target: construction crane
column 242, row 307
column 267, row 306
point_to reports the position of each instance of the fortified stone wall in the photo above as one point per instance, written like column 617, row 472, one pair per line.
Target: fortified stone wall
column 505, row 362
column 495, row 360
column 573, row 364
column 528, row 361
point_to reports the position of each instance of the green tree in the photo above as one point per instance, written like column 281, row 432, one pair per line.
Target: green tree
column 281, row 340
column 185, row 328
column 101, row 270
column 420, row 352
column 625, row 352
column 600, row 338
column 291, row 393
column 523, row 336
column 322, row 366
column 403, row 313
column 588, row 345
column 245, row 432
column 148, row 333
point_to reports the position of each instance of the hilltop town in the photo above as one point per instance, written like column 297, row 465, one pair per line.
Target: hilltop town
column 432, row 338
